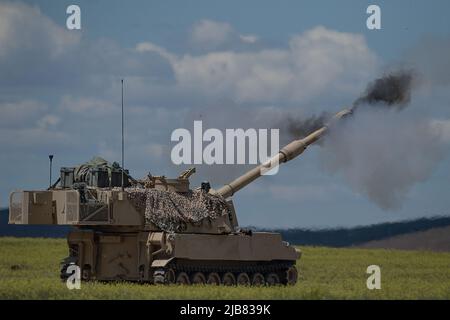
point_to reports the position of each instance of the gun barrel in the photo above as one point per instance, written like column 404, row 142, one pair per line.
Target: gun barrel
column 289, row 152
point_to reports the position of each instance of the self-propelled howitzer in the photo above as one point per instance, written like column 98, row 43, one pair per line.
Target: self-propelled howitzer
column 158, row 230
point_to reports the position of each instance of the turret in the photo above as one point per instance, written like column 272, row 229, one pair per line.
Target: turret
column 289, row 152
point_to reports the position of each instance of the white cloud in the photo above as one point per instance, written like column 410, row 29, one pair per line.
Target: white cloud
column 48, row 121
column 20, row 113
column 32, row 139
column 33, row 49
column 24, row 29
column 211, row 33
column 27, row 124
column 316, row 62
column 87, row 106
column 443, row 127
column 155, row 150
column 248, row 38
column 150, row 47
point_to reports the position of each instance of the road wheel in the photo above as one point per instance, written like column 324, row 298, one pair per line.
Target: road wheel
column 63, row 274
column 170, row 276
column 214, row 279
column 272, row 279
column 243, row 279
column 291, row 276
column 183, row 278
column 229, row 279
column 158, row 277
column 258, row 279
column 86, row 273
column 198, row 278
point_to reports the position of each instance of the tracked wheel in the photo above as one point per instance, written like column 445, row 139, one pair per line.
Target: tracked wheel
column 213, row 279
column 86, row 273
column 229, row 279
column 183, row 278
column 291, row 276
column 228, row 273
column 158, row 277
column 258, row 279
column 198, row 278
column 243, row 279
column 170, row 276
column 272, row 279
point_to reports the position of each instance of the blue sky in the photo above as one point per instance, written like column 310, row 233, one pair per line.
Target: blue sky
column 61, row 94
column 167, row 22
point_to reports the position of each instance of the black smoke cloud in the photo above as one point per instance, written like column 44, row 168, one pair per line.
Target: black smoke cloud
column 391, row 90
column 299, row 128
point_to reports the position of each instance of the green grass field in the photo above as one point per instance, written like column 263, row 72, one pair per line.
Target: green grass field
column 29, row 270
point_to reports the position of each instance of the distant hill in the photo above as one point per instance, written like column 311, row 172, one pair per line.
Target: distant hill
column 30, row 231
column 436, row 239
column 341, row 237
column 344, row 237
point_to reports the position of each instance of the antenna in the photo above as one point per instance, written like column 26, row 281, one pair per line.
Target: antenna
column 123, row 161
column 50, row 156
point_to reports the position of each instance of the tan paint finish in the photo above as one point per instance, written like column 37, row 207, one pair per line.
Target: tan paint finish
column 115, row 256
column 260, row 246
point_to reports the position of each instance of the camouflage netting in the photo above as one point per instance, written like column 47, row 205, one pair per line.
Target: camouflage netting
column 171, row 211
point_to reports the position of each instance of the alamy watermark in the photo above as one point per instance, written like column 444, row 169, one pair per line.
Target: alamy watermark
column 373, row 22
column 73, row 21
column 233, row 146
column 74, row 279
column 374, row 280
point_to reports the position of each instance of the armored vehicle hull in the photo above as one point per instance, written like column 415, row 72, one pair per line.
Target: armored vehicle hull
column 185, row 258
